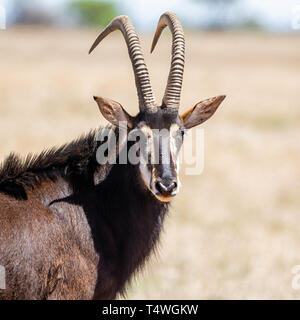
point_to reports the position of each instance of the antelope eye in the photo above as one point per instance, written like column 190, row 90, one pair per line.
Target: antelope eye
column 182, row 132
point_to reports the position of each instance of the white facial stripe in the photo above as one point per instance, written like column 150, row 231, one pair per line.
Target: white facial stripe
column 174, row 128
column 144, row 169
column 173, row 148
column 174, row 152
column 147, row 131
column 145, row 174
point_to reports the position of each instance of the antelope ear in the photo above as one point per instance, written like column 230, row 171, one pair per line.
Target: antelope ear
column 202, row 111
column 113, row 112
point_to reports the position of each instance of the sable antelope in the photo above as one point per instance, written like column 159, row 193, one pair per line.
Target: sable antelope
column 71, row 228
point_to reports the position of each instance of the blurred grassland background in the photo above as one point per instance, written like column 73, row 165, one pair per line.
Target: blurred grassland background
column 233, row 231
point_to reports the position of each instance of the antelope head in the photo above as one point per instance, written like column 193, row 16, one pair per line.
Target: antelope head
column 160, row 124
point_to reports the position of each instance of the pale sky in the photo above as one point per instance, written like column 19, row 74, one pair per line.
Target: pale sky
column 277, row 15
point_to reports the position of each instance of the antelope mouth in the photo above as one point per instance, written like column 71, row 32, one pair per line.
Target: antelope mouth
column 164, row 198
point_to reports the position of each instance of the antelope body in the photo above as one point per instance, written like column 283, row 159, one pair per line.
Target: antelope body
column 71, row 228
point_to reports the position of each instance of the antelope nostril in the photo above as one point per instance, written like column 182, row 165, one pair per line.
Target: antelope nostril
column 159, row 187
column 165, row 188
column 172, row 186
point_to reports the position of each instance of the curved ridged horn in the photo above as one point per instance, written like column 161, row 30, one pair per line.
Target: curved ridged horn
column 142, row 79
column 172, row 94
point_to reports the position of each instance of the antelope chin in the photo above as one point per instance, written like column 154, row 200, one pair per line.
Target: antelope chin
column 164, row 198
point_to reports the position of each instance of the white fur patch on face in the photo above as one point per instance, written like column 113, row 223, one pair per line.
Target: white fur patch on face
column 173, row 146
column 145, row 174
column 175, row 152
column 150, row 148
column 145, row 170
column 146, row 130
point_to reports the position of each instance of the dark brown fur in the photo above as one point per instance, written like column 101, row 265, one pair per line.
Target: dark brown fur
column 62, row 236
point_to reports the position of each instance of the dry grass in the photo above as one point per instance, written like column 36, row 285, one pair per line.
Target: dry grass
column 233, row 232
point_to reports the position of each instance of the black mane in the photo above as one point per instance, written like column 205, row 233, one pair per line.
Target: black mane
column 74, row 161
